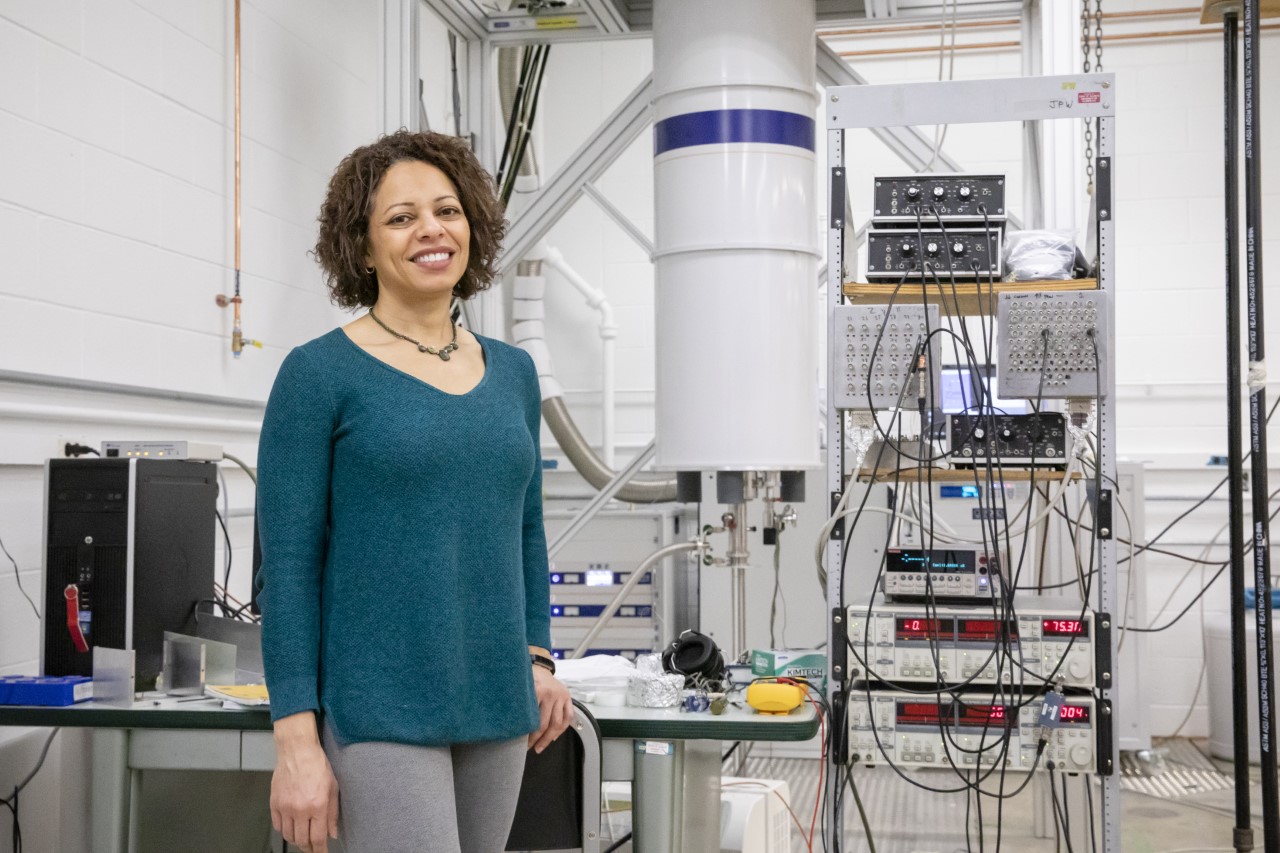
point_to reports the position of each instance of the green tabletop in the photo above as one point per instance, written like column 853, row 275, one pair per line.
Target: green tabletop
column 737, row 723
column 160, row 713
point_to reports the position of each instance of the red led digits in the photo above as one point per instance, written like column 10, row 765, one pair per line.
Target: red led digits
column 1074, row 714
column 1065, row 628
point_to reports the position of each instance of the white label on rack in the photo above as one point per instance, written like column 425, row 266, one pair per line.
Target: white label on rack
column 654, row 747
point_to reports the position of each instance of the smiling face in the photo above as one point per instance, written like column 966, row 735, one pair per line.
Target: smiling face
column 419, row 237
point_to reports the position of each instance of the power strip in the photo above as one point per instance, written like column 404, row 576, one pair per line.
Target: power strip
column 1051, row 344
column 873, row 348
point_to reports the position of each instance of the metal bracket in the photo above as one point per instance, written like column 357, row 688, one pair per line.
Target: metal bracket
column 1103, row 664
column 1102, row 188
column 1104, row 514
column 838, row 190
column 1106, row 738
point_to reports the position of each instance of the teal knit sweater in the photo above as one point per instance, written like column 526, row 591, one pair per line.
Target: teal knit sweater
column 404, row 562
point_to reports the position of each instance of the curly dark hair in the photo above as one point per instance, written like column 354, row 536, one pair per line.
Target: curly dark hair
column 344, row 216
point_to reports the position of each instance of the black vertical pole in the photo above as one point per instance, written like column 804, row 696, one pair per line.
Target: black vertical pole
column 1243, row 836
column 1258, row 428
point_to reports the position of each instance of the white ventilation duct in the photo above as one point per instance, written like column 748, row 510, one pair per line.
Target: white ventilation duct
column 736, row 242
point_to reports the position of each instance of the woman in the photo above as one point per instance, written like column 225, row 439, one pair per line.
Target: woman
column 404, row 585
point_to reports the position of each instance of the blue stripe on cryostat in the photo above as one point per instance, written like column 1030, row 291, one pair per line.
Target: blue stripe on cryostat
column 715, row 127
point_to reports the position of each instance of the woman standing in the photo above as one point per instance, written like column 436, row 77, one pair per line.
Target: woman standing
column 404, row 585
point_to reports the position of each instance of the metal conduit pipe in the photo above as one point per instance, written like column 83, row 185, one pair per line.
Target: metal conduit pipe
column 591, row 467
column 527, row 333
column 509, row 59
column 612, row 607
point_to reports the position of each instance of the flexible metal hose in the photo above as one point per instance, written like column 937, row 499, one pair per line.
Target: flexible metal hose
column 589, row 465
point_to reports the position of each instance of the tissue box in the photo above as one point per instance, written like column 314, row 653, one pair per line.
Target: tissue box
column 809, row 664
column 45, row 690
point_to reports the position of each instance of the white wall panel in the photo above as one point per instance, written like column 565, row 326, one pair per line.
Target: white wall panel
column 58, row 22
column 123, row 37
column 116, row 230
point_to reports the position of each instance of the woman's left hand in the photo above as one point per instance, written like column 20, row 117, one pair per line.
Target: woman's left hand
column 555, row 706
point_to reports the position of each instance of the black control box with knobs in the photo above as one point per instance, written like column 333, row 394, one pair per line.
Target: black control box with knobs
column 923, row 198
column 959, row 253
column 1039, row 439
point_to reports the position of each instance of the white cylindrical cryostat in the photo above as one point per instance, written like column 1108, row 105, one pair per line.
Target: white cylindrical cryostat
column 736, row 242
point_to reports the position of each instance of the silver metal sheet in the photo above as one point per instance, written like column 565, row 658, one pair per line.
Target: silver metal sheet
column 113, row 676
column 183, row 668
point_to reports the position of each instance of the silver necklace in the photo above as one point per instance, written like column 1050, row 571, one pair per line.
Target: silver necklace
column 443, row 352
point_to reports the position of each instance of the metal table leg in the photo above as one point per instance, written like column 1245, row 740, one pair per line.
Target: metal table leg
column 111, row 789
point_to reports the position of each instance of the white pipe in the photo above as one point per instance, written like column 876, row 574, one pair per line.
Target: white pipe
column 528, row 333
column 596, row 298
column 41, row 412
column 638, row 573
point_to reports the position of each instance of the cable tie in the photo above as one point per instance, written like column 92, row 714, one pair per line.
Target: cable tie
column 1257, row 379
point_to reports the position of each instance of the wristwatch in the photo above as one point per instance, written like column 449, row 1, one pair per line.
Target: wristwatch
column 543, row 661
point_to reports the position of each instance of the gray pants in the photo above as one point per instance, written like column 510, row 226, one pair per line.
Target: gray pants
column 394, row 797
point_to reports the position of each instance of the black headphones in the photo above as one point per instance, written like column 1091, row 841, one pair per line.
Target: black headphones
column 694, row 655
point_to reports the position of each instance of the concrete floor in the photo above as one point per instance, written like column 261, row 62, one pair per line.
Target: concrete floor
column 1188, row 808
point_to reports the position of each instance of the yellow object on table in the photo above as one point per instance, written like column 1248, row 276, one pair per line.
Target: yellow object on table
column 771, row 697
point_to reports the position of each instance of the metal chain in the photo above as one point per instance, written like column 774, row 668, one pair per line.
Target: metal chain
column 1097, row 36
column 1090, row 65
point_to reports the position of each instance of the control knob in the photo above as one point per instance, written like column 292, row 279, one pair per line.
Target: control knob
column 958, row 249
column 1080, row 755
column 913, row 193
column 1006, row 434
column 939, row 193
column 966, row 193
column 932, row 249
column 907, row 249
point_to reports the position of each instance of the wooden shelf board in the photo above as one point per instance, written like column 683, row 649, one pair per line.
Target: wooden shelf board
column 973, row 298
column 964, row 475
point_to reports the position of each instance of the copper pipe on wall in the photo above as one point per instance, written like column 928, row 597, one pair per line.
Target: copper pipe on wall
column 237, row 142
column 237, row 333
column 892, row 51
column 996, row 45
column 1001, row 22
column 1153, row 13
column 916, row 28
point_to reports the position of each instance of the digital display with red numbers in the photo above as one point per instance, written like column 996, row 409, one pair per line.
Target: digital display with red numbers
column 985, row 715
column 1074, row 714
column 985, row 629
column 972, row 716
column 917, row 628
column 1066, row 628
column 923, row 713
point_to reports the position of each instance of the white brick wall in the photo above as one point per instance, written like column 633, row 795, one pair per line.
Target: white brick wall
column 116, row 231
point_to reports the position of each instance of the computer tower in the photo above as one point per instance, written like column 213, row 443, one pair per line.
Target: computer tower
column 129, row 552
